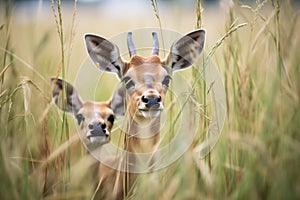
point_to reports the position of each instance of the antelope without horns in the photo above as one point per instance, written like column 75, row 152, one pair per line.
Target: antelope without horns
column 95, row 119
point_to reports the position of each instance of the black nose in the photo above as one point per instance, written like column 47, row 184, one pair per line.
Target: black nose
column 97, row 128
column 151, row 101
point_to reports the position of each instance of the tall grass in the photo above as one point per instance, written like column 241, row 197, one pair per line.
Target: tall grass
column 257, row 156
column 62, row 69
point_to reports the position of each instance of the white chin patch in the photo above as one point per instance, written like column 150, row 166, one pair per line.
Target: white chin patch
column 97, row 138
column 150, row 113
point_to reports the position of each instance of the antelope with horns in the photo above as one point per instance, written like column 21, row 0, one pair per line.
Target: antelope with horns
column 146, row 80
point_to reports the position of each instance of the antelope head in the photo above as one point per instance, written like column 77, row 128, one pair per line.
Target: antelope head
column 146, row 78
column 95, row 119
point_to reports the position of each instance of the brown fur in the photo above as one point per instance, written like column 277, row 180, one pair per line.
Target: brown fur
column 144, row 77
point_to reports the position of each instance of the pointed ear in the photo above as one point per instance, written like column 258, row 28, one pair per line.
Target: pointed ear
column 105, row 54
column 185, row 51
column 73, row 101
column 117, row 102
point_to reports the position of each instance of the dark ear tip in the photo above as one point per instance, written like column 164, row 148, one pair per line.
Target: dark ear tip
column 55, row 79
column 202, row 31
column 87, row 36
column 197, row 34
column 87, row 39
column 90, row 37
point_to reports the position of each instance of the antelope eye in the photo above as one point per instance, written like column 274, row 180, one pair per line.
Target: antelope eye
column 128, row 82
column 80, row 118
column 166, row 81
column 111, row 119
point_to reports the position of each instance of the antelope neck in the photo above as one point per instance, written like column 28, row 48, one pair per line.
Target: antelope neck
column 142, row 137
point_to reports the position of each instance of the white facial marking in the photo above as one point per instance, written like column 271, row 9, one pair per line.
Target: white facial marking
column 98, row 138
column 150, row 113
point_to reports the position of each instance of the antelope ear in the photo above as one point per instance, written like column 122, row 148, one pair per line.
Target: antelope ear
column 117, row 102
column 105, row 54
column 185, row 51
column 73, row 101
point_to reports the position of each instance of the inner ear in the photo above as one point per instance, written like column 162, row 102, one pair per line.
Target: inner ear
column 72, row 103
column 105, row 54
column 94, row 43
column 185, row 51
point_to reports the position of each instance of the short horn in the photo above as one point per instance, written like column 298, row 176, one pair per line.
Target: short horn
column 155, row 49
column 130, row 45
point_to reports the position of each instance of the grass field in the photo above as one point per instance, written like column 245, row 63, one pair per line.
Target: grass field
column 254, row 45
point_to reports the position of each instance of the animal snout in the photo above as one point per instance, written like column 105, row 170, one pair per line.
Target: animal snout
column 151, row 101
column 97, row 128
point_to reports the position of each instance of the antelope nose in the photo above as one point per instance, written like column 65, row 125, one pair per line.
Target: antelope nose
column 151, row 101
column 97, row 128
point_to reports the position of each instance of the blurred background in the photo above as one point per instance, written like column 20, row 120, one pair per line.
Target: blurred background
column 254, row 45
